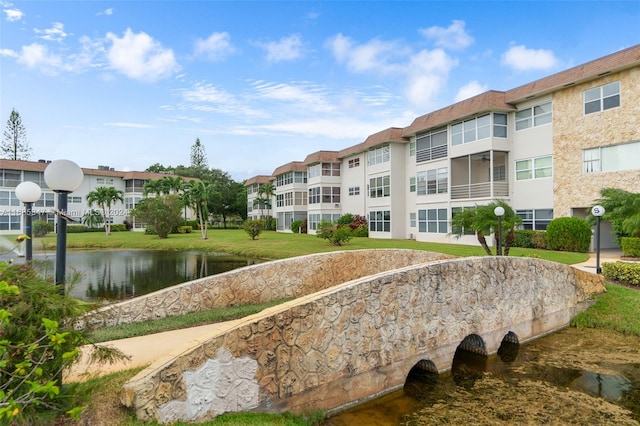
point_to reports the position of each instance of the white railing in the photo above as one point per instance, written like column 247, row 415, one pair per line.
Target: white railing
column 480, row 190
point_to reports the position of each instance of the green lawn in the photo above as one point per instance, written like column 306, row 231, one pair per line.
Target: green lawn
column 274, row 245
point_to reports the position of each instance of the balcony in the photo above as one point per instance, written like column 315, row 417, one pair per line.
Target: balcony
column 480, row 175
column 480, row 190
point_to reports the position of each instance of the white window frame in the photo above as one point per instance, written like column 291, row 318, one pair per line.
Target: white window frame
column 601, row 98
column 534, row 116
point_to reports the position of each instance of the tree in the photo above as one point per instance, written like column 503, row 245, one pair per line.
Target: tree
column 622, row 209
column 93, row 219
column 154, row 186
column 198, row 156
column 15, row 145
column 104, row 197
column 159, row 168
column 162, row 214
column 483, row 221
column 265, row 192
column 253, row 228
column 197, row 197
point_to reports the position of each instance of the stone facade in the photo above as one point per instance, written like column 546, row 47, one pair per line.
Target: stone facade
column 353, row 341
column 261, row 283
column 574, row 131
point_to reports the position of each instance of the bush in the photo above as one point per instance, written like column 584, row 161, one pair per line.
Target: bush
column 41, row 228
column 186, row 229
column 269, row 224
column 539, row 240
column 345, row 219
column 630, row 246
column 253, row 228
column 569, row 234
column 336, row 235
column 529, row 238
column 623, row 272
column 299, row 226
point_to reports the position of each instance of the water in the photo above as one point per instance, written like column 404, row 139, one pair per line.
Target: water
column 114, row 275
column 576, row 376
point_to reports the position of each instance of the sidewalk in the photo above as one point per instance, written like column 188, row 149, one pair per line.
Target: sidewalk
column 606, row 255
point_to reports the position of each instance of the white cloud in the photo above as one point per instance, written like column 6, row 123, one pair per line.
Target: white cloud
column 55, row 33
column 130, row 125
column 37, row 55
column 286, row 49
column 140, row 57
column 216, row 47
column 428, row 72
column 453, row 37
column 522, row 59
column 13, row 15
column 375, row 55
column 469, row 90
column 206, row 93
column 107, row 12
column 9, row 53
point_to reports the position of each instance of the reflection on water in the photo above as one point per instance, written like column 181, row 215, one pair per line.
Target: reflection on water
column 585, row 361
column 114, row 275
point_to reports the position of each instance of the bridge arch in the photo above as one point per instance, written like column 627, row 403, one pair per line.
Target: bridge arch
column 353, row 341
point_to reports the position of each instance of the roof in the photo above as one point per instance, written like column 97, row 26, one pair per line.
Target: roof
column 293, row 166
column 391, row 134
column 39, row 166
column 260, row 179
column 618, row 61
column 492, row 100
column 322, row 156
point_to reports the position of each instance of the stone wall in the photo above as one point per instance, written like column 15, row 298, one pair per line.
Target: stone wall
column 261, row 283
column 356, row 340
column 574, row 131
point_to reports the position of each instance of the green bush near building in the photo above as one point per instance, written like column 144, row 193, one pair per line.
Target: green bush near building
column 569, row 234
column 630, row 246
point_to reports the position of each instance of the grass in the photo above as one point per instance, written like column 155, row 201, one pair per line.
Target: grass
column 274, row 245
column 618, row 309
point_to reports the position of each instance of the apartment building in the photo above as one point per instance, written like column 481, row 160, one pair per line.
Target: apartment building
column 256, row 206
column 290, row 197
column 13, row 172
column 547, row 148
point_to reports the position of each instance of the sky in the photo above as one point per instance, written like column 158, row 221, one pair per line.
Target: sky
column 128, row 84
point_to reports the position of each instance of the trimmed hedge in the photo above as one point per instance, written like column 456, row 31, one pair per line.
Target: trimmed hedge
column 630, row 246
column 624, row 272
column 569, row 234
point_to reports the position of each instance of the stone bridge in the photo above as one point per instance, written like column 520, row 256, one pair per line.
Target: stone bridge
column 359, row 323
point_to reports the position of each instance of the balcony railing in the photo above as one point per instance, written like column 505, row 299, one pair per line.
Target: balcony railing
column 479, row 190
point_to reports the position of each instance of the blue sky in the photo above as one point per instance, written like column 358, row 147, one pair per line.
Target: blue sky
column 131, row 83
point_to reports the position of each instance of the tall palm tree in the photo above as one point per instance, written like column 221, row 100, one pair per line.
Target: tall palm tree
column 104, row 197
column 153, row 186
column 197, row 196
column 93, row 219
column 483, row 221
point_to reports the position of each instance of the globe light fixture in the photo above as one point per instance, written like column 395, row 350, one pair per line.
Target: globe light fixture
column 28, row 193
column 499, row 211
column 598, row 211
column 63, row 177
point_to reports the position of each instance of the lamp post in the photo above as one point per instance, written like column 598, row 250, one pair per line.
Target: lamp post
column 28, row 193
column 598, row 211
column 63, row 177
column 499, row 211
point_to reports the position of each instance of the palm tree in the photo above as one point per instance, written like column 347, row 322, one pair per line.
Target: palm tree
column 197, row 197
column 93, row 219
column 483, row 221
column 104, row 196
column 265, row 192
column 153, row 186
column 174, row 184
column 622, row 209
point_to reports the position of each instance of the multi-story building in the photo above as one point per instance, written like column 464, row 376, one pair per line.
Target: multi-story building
column 547, row 148
column 258, row 205
column 290, row 194
column 13, row 172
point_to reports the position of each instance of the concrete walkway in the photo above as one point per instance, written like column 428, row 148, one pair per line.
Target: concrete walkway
column 145, row 350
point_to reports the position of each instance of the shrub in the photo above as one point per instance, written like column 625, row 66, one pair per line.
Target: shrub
column 624, row 272
column 630, row 246
column 335, row 234
column 41, row 228
column 345, row 219
column 269, row 224
column 569, row 234
column 38, row 343
column 539, row 240
column 299, row 226
column 523, row 238
column 186, row 229
column 253, row 228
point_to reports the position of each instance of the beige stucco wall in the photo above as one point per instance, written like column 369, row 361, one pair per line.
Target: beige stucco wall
column 574, row 131
column 356, row 340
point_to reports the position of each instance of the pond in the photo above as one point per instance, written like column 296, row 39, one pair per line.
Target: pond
column 115, row 275
column 575, row 376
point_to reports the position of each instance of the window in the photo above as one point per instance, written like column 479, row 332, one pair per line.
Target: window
column 314, row 195
column 130, row 202
column 300, row 198
column 330, row 194
column 379, row 187
column 534, row 168
column 434, row 181
column 315, row 170
column 354, row 190
column 412, row 149
column 330, row 169
column 8, row 198
column 380, row 221
column 10, row 178
column 9, row 223
column 602, row 98
column 104, row 181
column 354, row 162
column 314, row 219
column 288, row 198
column 499, row 125
column 289, row 177
column 74, row 199
column 479, row 128
column 433, row 221
column 432, row 145
column 46, row 200
column 611, row 158
column 412, row 220
column 535, row 219
column 300, row 177
column 378, row 155
column 531, row 117
column 412, row 184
